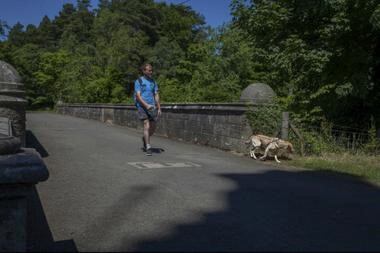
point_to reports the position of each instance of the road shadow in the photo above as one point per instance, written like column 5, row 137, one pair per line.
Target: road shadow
column 39, row 236
column 284, row 211
column 155, row 150
column 32, row 142
column 115, row 216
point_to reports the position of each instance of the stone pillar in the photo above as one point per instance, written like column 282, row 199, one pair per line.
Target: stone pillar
column 257, row 94
column 12, row 101
column 285, row 126
column 18, row 174
column 20, row 169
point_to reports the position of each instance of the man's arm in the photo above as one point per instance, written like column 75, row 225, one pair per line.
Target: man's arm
column 157, row 99
column 139, row 98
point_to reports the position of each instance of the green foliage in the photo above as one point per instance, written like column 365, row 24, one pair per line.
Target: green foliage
column 3, row 28
column 47, row 77
column 373, row 145
column 315, row 143
column 360, row 165
column 318, row 53
column 265, row 119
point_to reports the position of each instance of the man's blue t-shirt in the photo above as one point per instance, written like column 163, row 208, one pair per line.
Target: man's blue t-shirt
column 147, row 89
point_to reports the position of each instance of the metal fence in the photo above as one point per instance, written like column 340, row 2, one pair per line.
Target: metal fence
column 342, row 138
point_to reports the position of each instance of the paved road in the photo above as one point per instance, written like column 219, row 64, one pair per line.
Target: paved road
column 101, row 197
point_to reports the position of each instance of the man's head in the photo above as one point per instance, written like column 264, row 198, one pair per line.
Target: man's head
column 147, row 70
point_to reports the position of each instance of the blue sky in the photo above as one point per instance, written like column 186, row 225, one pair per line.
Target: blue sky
column 216, row 12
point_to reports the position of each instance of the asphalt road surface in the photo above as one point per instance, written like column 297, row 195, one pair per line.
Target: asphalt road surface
column 104, row 194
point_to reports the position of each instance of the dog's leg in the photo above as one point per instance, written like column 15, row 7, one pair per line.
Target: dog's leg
column 265, row 153
column 253, row 153
column 275, row 157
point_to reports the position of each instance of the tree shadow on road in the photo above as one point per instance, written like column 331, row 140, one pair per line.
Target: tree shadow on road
column 39, row 236
column 284, row 211
column 32, row 142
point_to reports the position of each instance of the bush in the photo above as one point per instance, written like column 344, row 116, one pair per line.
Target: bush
column 372, row 147
column 265, row 119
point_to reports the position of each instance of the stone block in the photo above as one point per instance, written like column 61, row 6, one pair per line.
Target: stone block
column 176, row 124
column 234, row 131
column 107, row 114
column 172, row 116
column 13, row 220
column 207, row 129
column 175, row 133
column 188, row 136
column 215, row 141
column 211, row 119
column 193, row 117
column 220, row 130
column 205, row 139
column 193, row 125
column 235, row 119
column 221, row 119
column 235, row 144
column 197, row 135
column 95, row 114
column 246, row 131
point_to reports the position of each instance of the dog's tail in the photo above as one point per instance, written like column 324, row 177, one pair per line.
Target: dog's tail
column 290, row 148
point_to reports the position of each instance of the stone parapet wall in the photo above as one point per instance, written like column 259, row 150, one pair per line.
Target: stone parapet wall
column 222, row 125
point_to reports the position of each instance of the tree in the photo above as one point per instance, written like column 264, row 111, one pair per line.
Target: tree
column 3, row 27
column 319, row 54
column 49, row 87
column 16, row 35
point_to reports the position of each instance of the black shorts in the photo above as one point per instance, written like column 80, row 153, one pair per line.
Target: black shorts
column 144, row 114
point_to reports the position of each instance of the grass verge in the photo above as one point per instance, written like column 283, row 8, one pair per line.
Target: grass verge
column 363, row 166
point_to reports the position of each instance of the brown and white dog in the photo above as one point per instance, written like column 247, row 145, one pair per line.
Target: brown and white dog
column 268, row 144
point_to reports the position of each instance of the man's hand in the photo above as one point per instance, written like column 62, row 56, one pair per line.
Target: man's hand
column 159, row 112
column 149, row 107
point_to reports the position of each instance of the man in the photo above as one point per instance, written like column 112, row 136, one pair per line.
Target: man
column 148, row 104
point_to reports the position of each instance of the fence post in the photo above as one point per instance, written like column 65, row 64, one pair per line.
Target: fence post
column 285, row 126
column 295, row 130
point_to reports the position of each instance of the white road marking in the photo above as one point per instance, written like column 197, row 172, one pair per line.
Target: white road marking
column 153, row 165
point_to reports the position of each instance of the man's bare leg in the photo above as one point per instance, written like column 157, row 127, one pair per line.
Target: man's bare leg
column 152, row 128
column 146, row 131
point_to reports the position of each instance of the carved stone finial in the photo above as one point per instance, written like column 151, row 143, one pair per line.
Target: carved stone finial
column 12, row 101
column 8, row 74
column 258, row 93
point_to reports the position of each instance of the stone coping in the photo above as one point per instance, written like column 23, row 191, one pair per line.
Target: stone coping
column 11, row 90
column 24, row 167
column 242, row 107
column 4, row 100
column 12, row 84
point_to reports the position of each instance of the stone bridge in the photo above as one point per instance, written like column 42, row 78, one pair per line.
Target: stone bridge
column 101, row 193
column 104, row 194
